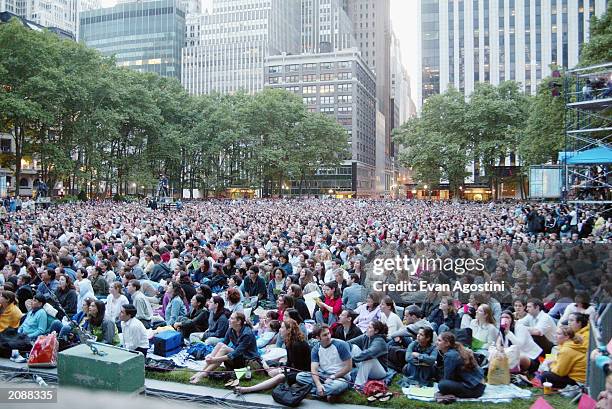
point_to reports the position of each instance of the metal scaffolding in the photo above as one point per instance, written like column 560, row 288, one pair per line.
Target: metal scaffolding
column 587, row 159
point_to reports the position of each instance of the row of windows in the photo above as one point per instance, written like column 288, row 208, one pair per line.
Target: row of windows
column 312, row 78
column 131, row 14
column 275, row 69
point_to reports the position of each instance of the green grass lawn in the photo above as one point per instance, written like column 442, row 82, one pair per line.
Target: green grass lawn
column 352, row 397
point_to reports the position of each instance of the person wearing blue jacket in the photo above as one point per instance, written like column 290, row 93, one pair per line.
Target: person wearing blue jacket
column 36, row 321
column 369, row 352
column 243, row 349
column 421, row 357
column 462, row 376
column 217, row 321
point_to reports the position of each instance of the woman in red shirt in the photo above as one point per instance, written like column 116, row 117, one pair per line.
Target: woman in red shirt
column 330, row 309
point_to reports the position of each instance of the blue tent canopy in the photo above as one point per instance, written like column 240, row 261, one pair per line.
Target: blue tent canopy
column 593, row 156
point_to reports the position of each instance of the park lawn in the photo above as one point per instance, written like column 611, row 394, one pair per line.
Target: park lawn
column 354, row 398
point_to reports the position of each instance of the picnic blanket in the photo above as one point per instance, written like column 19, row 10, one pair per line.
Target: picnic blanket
column 492, row 394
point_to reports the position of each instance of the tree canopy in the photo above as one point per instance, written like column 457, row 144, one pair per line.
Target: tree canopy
column 102, row 128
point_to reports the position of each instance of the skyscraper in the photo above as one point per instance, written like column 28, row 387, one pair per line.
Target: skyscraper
column 325, row 26
column 144, row 36
column 61, row 14
column 372, row 30
column 225, row 48
column 463, row 42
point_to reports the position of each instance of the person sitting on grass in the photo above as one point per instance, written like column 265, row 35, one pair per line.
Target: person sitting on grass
column 197, row 320
column 462, row 377
column 570, row 364
column 217, row 322
column 421, row 357
column 369, row 352
column 298, row 358
column 134, row 332
column 268, row 337
column 35, row 322
column 10, row 314
column 104, row 329
column 331, row 307
column 330, row 367
column 244, row 348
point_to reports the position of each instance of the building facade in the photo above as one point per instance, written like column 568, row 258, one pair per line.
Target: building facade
column 372, row 30
column 463, row 42
column 341, row 85
column 145, row 36
column 225, row 48
column 61, row 14
column 326, row 26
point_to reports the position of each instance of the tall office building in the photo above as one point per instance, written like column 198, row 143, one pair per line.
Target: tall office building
column 61, row 14
column 226, row 47
column 144, row 36
column 325, row 26
column 463, row 42
column 372, row 30
column 341, row 85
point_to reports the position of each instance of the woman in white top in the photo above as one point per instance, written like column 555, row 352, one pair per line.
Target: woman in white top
column 114, row 302
column 521, row 349
column 582, row 305
column 388, row 315
column 484, row 331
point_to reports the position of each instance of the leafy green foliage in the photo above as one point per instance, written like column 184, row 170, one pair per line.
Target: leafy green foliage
column 599, row 48
column 102, row 129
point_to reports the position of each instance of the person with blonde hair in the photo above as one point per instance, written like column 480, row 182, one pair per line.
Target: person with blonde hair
column 484, row 330
column 570, row 364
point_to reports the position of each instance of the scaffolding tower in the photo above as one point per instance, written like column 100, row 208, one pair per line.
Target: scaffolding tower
column 587, row 158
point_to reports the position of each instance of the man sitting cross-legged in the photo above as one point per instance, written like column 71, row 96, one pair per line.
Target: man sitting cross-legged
column 331, row 365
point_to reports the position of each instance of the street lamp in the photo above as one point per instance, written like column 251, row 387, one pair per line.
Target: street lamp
column 426, row 187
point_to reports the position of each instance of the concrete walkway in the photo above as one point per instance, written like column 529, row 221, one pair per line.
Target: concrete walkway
column 170, row 388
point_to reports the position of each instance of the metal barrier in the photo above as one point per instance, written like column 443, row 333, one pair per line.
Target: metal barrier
column 599, row 335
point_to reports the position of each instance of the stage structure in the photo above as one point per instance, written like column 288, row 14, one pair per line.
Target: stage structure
column 587, row 158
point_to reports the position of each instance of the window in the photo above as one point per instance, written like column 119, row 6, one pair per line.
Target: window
column 345, row 64
column 327, row 65
column 328, row 110
column 5, row 145
column 310, row 78
column 274, row 80
column 345, row 110
column 327, row 89
column 310, row 90
column 295, row 90
column 274, row 69
column 345, row 87
column 327, row 100
column 309, row 100
column 345, row 75
column 309, row 66
column 345, row 99
column 292, row 78
column 327, row 77
column 293, row 67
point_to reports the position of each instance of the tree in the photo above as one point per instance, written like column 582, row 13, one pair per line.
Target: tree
column 544, row 133
column 599, row 48
column 495, row 118
column 318, row 142
column 436, row 145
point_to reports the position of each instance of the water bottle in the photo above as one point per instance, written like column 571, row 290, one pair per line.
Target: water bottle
column 40, row 381
column 248, row 374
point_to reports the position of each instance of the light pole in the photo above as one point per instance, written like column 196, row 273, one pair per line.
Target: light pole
column 426, row 191
column 331, row 192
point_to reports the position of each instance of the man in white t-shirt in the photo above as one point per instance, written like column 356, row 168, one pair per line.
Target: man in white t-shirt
column 133, row 331
column 330, row 367
column 541, row 326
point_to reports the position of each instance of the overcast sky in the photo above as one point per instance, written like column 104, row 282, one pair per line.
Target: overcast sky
column 403, row 18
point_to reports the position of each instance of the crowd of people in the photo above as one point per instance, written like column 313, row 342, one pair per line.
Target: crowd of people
column 106, row 269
